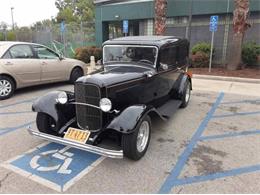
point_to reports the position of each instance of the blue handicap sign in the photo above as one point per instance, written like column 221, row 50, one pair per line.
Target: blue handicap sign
column 125, row 26
column 56, row 163
column 62, row 26
column 213, row 25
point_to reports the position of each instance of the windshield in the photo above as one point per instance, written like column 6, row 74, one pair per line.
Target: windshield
column 130, row 53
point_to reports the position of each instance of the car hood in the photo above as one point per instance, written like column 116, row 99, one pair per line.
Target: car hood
column 111, row 75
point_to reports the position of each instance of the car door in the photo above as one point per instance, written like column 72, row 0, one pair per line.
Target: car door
column 52, row 67
column 20, row 61
column 168, row 71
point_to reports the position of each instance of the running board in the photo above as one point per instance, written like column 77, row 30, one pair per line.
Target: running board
column 168, row 109
column 86, row 147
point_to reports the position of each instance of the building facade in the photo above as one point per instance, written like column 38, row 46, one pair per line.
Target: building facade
column 140, row 15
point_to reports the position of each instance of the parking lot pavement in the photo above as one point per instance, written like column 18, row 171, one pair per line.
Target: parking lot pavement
column 212, row 146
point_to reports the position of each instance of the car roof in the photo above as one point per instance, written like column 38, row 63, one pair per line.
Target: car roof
column 144, row 40
column 10, row 43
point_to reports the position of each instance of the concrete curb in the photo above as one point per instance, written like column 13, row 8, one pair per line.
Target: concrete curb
column 232, row 79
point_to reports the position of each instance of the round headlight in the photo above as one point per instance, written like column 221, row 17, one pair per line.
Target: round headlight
column 105, row 104
column 62, row 98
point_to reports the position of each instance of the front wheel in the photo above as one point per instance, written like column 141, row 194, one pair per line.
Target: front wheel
column 75, row 74
column 135, row 144
column 45, row 123
column 7, row 87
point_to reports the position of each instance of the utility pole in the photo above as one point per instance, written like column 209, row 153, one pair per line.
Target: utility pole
column 12, row 14
column 190, row 20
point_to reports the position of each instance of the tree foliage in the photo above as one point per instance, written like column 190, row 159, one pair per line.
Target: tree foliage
column 75, row 10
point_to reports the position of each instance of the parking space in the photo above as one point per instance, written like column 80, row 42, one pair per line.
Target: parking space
column 209, row 147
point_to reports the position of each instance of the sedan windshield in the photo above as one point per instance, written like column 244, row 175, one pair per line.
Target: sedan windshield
column 124, row 53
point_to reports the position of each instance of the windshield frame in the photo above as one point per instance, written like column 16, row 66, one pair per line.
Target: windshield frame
column 129, row 45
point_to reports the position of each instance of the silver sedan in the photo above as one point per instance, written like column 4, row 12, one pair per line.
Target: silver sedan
column 27, row 64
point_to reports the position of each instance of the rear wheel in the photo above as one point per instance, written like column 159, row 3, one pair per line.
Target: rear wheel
column 7, row 87
column 135, row 144
column 75, row 74
column 45, row 123
column 185, row 96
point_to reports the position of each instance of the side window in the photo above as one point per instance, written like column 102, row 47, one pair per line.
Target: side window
column 183, row 52
column 21, row 52
column 45, row 53
column 168, row 56
column 7, row 55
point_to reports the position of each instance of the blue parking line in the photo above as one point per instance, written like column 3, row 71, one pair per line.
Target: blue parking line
column 242, row 101
column 171, row 180
column 236, row 114
column 19, row 102
column 213, row 176
column 227, row 135
column 11, row 113
column 10, row 129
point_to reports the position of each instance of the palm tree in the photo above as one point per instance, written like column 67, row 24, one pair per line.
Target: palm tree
column 240, row 25
column 160, row 16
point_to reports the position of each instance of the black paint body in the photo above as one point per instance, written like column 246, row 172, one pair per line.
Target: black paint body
column 134, row 89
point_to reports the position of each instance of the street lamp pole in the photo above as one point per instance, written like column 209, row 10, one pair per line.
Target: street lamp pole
column 12, row 8
column 190, row 20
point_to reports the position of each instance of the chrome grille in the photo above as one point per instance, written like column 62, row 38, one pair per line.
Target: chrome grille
column 88, row 117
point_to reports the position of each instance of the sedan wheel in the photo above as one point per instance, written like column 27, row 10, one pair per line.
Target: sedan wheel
column 75, row 74
column 6, row 87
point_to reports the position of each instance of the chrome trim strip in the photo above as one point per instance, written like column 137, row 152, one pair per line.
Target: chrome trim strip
column 86, row 147
column 84, row 104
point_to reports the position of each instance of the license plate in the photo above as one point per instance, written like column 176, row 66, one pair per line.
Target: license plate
column 77, row 135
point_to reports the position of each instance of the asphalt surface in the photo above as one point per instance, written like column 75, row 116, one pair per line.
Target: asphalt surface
column 212, row 146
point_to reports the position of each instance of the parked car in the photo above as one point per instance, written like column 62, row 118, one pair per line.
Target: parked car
column 110, row 111
column 26, row 64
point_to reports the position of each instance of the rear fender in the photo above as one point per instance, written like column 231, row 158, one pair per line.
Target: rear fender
column 183, row 81
column 128, row 119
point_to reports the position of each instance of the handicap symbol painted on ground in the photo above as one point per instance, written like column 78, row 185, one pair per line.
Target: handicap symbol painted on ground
column 54, row 165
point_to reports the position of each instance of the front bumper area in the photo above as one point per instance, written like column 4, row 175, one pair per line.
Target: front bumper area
column 86, row 147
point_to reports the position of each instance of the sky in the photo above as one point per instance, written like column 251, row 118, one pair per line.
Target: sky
column 27, row 12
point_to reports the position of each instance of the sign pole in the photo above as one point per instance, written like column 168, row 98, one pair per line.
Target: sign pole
column 211, row 50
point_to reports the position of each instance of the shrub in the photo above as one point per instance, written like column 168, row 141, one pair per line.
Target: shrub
column 84, row 53
column 250, row 53
column 201, row 47
column 2, row 37
column 200, row 55
column 200, row 59
column 11, row 36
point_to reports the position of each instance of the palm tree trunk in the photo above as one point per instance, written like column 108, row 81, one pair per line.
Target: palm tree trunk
column 240, row 25
column 160, row 16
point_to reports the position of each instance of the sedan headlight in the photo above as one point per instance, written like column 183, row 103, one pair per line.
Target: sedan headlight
column 62, row 98
column 105, row 104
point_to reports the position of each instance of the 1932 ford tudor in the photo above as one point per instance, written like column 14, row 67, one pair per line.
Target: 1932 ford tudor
column 109, row 113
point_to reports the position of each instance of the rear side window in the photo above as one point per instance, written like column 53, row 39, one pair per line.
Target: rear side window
column 169, row 56
column 45, row 53
column 21, row 52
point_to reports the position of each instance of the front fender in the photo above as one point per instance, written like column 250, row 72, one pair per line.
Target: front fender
column 47, row 104
column 128, row 119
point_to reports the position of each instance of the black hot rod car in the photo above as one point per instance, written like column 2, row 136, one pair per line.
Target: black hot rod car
column 109, row 113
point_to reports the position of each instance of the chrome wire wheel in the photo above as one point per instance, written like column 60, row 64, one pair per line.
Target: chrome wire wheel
column 187, row 95
column 143, row 136
column 5, row 88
